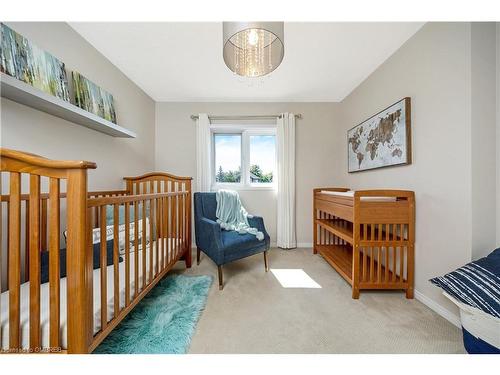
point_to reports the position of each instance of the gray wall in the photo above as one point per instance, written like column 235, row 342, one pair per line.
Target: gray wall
column 434, row 69
column 27, row 129
column 498, row 132
column 483, row 137
column 315, row 156
column 30, row 130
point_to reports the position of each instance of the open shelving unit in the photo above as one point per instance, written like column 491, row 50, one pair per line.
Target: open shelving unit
column 23, row 93
column 368, row 238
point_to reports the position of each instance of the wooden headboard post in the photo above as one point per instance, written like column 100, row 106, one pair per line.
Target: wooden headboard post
column 188, row 257
column 79, row 264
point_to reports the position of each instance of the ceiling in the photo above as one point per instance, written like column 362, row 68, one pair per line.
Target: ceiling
column 183, row 62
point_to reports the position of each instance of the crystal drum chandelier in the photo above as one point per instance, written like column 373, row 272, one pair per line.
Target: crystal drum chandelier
column 253, row 49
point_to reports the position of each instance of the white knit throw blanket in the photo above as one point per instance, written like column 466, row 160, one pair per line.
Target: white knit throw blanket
column 231, row 215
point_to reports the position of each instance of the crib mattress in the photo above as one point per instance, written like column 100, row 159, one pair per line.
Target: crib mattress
column 350, row 194
column 44, row 303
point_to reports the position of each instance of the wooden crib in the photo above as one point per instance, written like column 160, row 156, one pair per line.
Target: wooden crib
column 73, row 314
column 367, row 236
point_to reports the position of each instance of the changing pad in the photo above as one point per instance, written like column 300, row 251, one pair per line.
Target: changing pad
column 350, row 194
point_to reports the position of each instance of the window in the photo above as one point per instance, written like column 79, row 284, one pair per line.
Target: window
column 262, row 158
column 243, row 157
column 227, row 158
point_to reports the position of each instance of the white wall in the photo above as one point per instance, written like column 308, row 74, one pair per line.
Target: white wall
column 434, row 69
column 483, row 137
column 27, row 129
column 315, row 156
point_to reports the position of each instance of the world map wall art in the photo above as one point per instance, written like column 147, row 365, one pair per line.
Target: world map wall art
column 383, row 140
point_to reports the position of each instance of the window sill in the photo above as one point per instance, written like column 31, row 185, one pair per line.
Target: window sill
column 243, row 187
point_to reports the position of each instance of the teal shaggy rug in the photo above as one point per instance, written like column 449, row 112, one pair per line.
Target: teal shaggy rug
column 164, row 321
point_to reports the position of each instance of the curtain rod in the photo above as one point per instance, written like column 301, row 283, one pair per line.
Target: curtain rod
column 249, row 117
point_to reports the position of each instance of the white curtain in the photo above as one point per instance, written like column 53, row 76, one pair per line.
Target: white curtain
column 203, row 177
column 286, row 181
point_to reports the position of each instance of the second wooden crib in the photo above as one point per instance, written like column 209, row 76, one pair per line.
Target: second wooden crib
column 76, row 262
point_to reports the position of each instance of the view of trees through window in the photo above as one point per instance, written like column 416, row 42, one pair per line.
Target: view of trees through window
column 228, row 157
column 261, row 158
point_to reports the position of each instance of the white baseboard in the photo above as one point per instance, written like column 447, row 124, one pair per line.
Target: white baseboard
column 305, row 244
column 299, row 244
column 433, row 305
column 273, row 244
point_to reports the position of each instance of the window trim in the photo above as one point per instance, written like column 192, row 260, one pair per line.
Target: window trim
column 245, row 131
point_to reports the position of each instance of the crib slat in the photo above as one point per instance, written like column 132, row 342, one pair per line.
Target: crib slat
column 184, row 224
column 136, row 251
column 14, row 260
column 8, row 242
column 103, row 268
column 144, row 248
column 151, row 253
column 90, row 259
column 116, row 271
column 1, row 241
column 96, row 215
column 54, row 260
column 26, row 240
column 151, row 270
column 157, row 226
column 154, row 236
column 159, row 230
column 43, row 229
column 127, row 253
column 176, row 227
column 169, row 232
column 34, row 260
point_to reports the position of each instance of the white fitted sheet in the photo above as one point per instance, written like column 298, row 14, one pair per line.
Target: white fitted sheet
column 350, row 194
column 44, row 303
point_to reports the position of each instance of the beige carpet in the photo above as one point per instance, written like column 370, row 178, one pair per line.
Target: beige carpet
column 255, row 314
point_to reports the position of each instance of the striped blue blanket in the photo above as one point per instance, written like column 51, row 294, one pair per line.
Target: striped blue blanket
column 476, row 284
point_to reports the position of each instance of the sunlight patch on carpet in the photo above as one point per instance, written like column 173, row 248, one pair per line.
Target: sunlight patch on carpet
column 294, row 278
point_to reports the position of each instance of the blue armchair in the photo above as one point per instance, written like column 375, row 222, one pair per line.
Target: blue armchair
column 220, row 245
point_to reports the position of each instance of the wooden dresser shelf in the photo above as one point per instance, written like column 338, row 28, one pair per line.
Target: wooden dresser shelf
column 339, row 257
column 340, row 228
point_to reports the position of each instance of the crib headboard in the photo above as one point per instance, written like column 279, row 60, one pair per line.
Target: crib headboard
column 161, row 182
column 157, row 182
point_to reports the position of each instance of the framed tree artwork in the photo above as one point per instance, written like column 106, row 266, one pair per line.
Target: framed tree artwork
column 28, row 63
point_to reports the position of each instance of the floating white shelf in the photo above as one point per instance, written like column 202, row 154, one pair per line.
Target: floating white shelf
column 18, row 91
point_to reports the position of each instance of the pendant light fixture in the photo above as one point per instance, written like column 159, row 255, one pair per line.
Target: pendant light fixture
column 253, row 49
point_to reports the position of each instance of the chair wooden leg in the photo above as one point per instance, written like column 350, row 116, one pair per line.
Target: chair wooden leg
column 266, row 263
column 198, row 251
column 221, row 280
